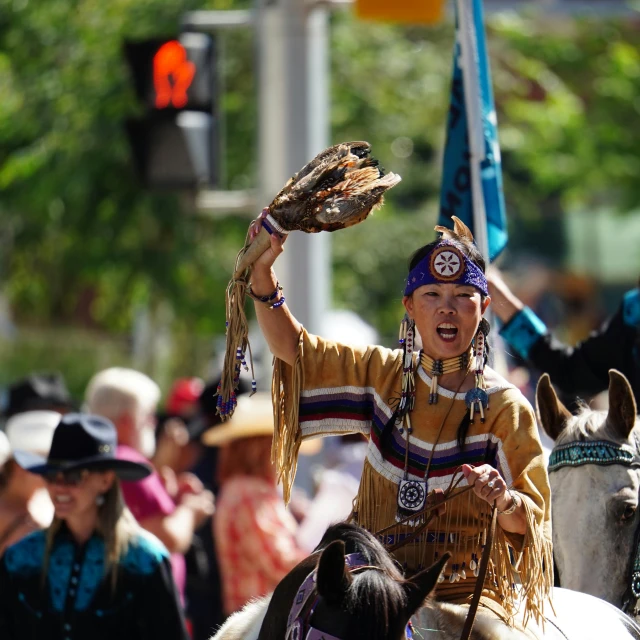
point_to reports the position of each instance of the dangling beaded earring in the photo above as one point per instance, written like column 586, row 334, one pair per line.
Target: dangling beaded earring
column 100, row 500
column 477, row 399
column 406, row 340
column 412, row 494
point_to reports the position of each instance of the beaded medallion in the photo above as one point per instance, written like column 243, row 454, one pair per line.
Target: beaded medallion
column 412, row 496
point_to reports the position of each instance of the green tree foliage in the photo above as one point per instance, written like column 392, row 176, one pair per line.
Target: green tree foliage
column 82, row 244
column 86, row 244
column 568, row 111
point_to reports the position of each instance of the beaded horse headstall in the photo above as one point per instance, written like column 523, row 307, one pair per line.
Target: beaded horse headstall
column 604, row 453
column 307, row 598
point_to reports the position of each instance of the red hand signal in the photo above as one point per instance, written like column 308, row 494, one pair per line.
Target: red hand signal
column 172, row 75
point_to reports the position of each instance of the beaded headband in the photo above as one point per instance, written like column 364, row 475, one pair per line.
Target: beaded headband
column 445, row 263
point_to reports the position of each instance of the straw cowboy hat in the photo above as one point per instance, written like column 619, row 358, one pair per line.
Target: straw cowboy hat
column 253, row 417
column 82, row 441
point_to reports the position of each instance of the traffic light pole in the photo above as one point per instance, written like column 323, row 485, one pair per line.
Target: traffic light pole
column 293, row 126
column 293, row 107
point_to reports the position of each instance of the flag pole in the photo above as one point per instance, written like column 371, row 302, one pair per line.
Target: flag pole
column 469, row 20
column 469, row 62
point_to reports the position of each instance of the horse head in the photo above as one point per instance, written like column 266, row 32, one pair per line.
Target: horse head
column 595, row 485
column 343, row 598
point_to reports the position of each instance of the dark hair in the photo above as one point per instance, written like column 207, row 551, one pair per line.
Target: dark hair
column 470, row 250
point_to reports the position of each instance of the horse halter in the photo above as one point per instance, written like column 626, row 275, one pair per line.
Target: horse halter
column 599, row 452
column 604, row 453
column 306, row 601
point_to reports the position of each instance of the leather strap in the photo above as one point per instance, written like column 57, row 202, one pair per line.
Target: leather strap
column 482, row 573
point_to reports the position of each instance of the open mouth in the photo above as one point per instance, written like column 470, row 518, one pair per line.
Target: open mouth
column 447, row 331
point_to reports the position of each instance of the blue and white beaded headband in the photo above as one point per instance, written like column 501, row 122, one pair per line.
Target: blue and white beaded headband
column 446, row 264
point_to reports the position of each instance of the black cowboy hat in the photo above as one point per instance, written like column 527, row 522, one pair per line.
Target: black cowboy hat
column 37, row 391
column 82, row 441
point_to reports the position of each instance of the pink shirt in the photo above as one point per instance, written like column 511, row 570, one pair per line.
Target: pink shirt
column 255, row 540
column 148, row 498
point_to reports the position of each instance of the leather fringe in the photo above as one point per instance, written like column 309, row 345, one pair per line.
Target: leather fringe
column 519, row 589
column 286, row 386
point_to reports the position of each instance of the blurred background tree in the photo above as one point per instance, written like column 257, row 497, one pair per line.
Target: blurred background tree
column 87, row 257
column 567, row 99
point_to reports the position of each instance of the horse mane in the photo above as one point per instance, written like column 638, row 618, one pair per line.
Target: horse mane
column 379, row 590
column 359, row 540
column 589, row 424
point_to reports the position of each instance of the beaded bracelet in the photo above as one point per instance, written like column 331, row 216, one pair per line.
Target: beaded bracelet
column 515, row 503
column 264, row 299
column 268, row 299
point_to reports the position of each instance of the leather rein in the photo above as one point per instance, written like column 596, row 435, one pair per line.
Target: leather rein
column 435, row 509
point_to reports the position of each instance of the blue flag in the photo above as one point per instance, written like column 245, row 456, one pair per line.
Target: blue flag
column 456, row 194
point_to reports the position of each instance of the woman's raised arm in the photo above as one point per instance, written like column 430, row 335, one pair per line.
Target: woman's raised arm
column 280, row 329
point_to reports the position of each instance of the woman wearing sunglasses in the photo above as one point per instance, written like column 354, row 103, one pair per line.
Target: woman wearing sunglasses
column 94, row 573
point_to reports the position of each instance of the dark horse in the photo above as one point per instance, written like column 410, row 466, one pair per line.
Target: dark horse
column 373, row 601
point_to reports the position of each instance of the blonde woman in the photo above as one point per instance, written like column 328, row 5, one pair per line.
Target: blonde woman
column 93, row 573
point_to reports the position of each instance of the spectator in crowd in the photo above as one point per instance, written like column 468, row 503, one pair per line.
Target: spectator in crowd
column 24, row 501
column 255, row 534
column 129, row 399
column 175, row 446
column 38, row 391
column 93, row 573
column 584, row 368
column 204, row 588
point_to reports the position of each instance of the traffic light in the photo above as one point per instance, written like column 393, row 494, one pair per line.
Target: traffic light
column 173, row 144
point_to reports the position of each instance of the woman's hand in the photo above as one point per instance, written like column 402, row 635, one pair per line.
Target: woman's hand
column 266, row 260
column 488, row 484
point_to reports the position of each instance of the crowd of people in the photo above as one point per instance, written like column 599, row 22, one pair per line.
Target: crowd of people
column 183, row 512
column 119, row 515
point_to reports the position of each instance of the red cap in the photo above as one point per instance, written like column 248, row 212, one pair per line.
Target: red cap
column 184, row 392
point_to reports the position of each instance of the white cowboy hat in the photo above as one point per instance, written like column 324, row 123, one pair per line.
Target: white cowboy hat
column 32, row 431
column 253, row 417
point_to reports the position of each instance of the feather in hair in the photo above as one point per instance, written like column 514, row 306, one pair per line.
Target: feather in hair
column 460, row 230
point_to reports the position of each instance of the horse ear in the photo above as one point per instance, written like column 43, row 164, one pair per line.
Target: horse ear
column 552, row 414
column 422, row 584
column 332, row 577
column 622, row 406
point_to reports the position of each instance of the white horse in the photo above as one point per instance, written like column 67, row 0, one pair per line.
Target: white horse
column 595, row 491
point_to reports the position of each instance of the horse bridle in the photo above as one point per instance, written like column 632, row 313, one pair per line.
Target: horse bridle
column 605, row 453
column 307, row 598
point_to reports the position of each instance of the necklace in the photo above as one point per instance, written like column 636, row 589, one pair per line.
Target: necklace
column 437, row 368
column 412, row 494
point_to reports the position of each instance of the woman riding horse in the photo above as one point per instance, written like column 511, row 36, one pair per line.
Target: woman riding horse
column 436, row 419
